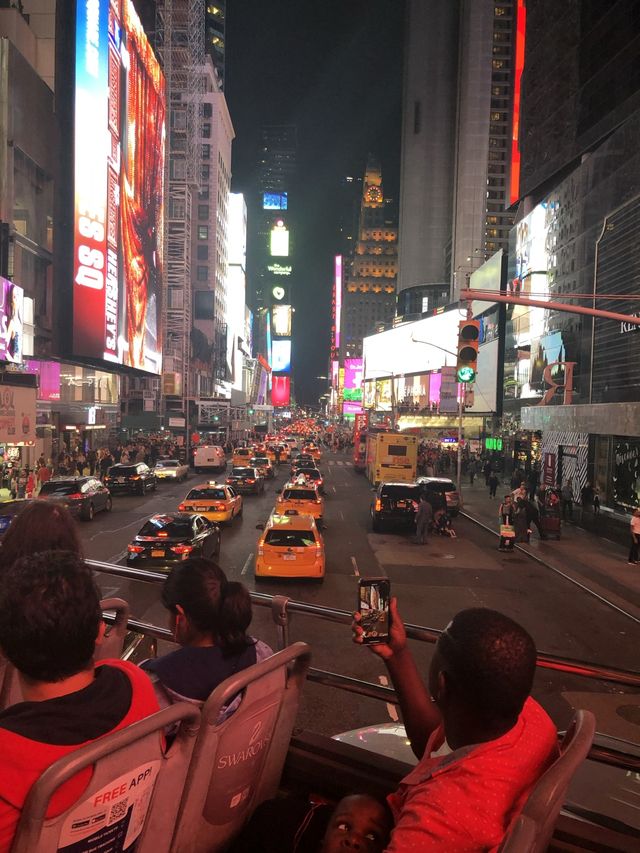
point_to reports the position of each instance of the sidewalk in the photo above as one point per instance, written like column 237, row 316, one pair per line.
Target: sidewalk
column 584, row 556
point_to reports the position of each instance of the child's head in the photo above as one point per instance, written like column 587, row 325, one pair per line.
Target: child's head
column 360, row 822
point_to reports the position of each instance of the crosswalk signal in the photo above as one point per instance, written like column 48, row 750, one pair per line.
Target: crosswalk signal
column 468, row 342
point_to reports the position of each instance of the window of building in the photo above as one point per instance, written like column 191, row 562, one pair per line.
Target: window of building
column 176, row 298
column 178, row 120
column 203, row 211
column 206, row 130
column 206, row 152
column 202, row 273
column 205, row 172
column 203, row 252
column 203, row 232
column 177, row 169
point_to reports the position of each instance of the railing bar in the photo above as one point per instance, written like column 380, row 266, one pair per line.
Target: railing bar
column 414, row 632
column 353, row 685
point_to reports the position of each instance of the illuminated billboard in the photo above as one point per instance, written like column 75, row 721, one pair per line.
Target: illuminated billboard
column 353, row 369
column 281, row 391
column 11, row 321
column 118, row 172
column 281, row 356
column 279, row 240
column 275, row 201
column 281, row 320
column 336, row 307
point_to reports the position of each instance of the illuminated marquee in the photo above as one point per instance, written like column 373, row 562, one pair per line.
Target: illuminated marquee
column 279, row 240
column 281, row 320
column 279, row 269
column 521, row 26
column 336, row 307
column 118, row 177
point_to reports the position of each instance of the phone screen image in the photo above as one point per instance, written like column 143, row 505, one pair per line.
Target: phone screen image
column 373, row 603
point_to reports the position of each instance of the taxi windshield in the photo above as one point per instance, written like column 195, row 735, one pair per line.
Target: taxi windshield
column 207, row 493
column 290, row 538
column 260, row 460
column 167, row 463
column 299, row 495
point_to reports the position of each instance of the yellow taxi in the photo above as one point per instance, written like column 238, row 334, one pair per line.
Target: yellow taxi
column 216, row 501
column 291, row 546
column 241, row 456
column 313, row 450
column 303, row 496
column 284, row 450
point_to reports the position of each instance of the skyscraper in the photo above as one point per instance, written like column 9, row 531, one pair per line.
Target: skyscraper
column 214, row 36
column 370, row 280
column 460, row 73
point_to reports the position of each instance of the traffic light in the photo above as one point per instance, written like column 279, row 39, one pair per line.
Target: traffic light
column 468, row 341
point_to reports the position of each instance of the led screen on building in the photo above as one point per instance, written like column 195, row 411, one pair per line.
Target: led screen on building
column 118, row 178
column 11, row 321
column 281, row 320
column 353, row 368
column 275, row 201
column 281, row 356
column 280, row 391
column 279, row 241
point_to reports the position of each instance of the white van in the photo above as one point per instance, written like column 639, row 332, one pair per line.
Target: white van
column 209, row 458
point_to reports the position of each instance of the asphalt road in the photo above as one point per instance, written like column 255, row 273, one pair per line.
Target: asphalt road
column 432, row 583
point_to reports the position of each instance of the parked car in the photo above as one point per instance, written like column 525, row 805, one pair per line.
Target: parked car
column 171, row 469
column 395, row 504
column 246, row 480
column 445, row 486
column 132, row 478
column 83, row 496
column 169, row 538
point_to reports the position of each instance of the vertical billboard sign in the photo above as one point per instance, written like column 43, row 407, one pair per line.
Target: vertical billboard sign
column 11, row 321
column 336, row 307
column 119, row 188
column 521, row 28
column 280, row 391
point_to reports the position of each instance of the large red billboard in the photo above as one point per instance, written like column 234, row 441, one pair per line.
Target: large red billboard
column 119, row 188
column 280, row 390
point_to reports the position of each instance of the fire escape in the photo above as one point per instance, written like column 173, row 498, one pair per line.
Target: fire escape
column 180, row 44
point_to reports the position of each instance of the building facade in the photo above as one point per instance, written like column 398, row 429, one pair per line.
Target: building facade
column 370, row 274
column 462, row 64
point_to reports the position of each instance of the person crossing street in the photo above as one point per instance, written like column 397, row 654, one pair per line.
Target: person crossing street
column 424, row 516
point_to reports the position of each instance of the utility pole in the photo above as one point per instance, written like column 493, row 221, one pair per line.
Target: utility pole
column 461, row 396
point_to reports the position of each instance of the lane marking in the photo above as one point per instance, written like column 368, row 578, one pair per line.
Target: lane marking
column 341, row 515
column 245, row 568
column 391, row 709
column 116, row 557
column 335, row 491
column 124, row 527
column 356, row 571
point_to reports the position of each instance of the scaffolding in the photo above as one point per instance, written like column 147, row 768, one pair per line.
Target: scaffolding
column 180, row 42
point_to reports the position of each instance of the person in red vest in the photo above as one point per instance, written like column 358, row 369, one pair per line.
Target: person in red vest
column 50, row 624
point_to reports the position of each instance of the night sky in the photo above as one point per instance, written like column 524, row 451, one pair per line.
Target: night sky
column 334, row 69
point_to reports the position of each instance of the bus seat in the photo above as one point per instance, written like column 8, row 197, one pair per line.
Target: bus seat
column 545, row 800
column 237, row 763
column 521, row 838
column 133, row 792
column 113, row 642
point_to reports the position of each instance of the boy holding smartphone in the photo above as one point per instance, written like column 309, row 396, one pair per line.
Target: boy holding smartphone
column 493, row 741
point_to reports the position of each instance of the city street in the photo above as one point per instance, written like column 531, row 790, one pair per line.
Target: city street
column 431, row 582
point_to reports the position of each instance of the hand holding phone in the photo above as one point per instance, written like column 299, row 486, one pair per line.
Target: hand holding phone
column 374, row 595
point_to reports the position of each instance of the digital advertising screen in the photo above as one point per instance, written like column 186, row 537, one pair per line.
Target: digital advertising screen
column 281, row 356
column 281, row 320
column 279, row 241
column 353, row 372
column 118, row 176
column 48, row 373
column 11, row 321
column 280, row 391
column 275, row 201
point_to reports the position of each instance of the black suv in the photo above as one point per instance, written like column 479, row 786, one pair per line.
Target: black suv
column 395, row 503
column 83, row 496
column 131, row 477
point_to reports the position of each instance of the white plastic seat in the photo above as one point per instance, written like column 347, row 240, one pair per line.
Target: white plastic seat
column 133, row 792
column 237, row 764
column 543, row 804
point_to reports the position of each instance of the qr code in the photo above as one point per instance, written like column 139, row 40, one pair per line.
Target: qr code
column 118, row 810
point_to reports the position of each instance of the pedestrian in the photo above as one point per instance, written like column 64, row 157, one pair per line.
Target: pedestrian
column 31, row 484
column 587, row 496
column 566, row 493
column 507, row 533
column 533, row 518
column 473, row 469
column 486, row 470
column 635, row 537
column 533, row 479
column 493, row 484
column 424, row 517
column 520, row 521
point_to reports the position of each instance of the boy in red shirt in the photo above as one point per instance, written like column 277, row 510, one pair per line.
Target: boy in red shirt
column 50, row 623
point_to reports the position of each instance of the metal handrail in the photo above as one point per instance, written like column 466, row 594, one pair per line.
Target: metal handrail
column 281, row 607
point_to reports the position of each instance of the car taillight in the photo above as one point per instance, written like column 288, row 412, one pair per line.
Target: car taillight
column 229, row 481
column 136, row 477
column 378, row 504
column 182, row 549
column 318, row 551
column 162, row 534
column 135, row 549
column 260, row 550
column 76, row 496
column 182, row 507
column 249, row 481
column 318, row 500
column 219, row 507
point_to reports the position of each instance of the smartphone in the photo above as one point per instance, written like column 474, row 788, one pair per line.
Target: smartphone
column 374, row 595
